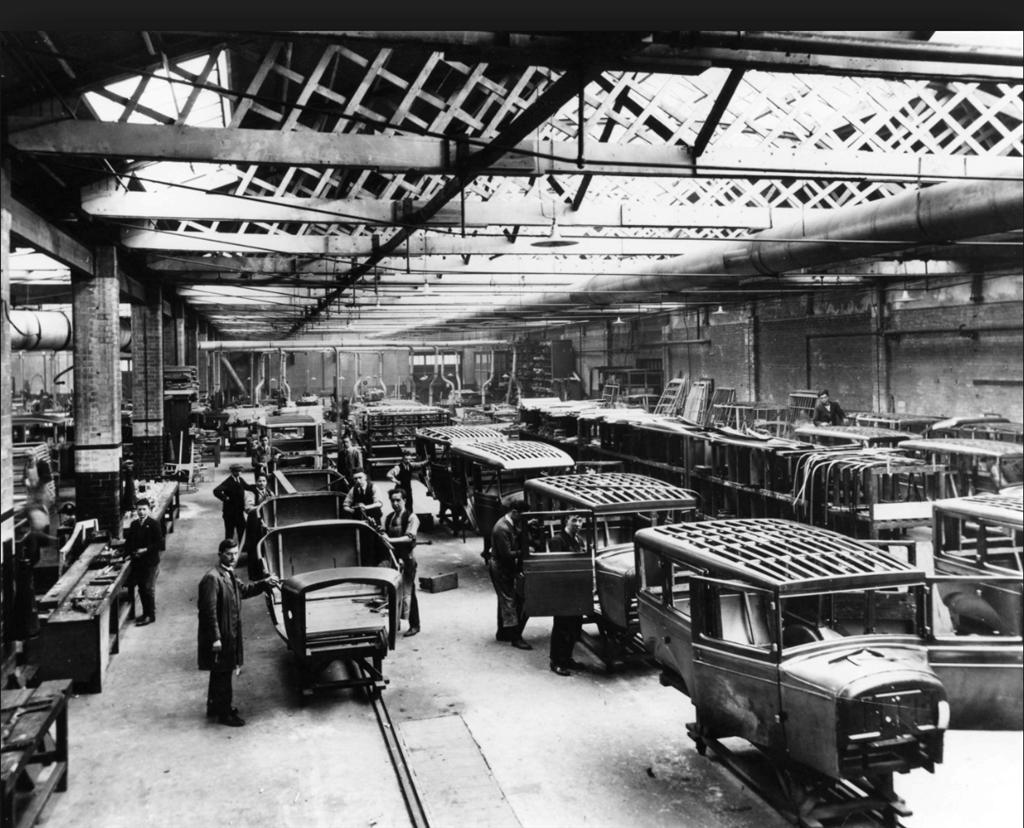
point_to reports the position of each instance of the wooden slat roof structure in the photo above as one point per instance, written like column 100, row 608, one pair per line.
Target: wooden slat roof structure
column 451, row 435
column 1004, row 508
column 963, row 445
column 515, row 455
column 613, row 492
column 854, row 433
column 779, row 554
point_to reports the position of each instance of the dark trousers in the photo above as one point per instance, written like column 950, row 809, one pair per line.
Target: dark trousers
column 234, row 523
column 219, row 693
column 144, row 579
column 409, row 588
column 511, row 618
column 565, row 632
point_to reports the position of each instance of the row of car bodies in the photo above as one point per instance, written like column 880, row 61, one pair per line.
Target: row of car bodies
column 841, row 658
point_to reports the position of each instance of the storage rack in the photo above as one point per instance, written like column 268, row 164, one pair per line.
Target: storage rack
column 801, row 404
column 384, row 430
column 859, row 494
column 762, row 416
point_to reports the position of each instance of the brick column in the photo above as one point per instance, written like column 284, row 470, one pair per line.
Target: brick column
column 6, row 463
column 203, row 359
column 97, row 334
column 180, row 357
column 191, row 340
column 148, row 387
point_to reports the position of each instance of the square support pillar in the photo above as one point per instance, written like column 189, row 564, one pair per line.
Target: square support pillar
column 6, row 457
column 97, row 335
column 148, row 387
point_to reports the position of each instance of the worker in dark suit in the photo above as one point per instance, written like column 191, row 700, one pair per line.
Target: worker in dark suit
column 231, row 492
column 220, row 630
column 566, row 629
column 828, row 411
column 503, row 563
column 144, row 541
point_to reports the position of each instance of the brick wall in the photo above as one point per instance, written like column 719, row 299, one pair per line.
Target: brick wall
column 955, row 351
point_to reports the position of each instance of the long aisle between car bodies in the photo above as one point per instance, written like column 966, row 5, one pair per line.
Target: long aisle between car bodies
column 595, row 749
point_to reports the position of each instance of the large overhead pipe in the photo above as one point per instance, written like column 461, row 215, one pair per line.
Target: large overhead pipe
column 260, row 370
column 226, row 363
column 380, row 375
column 33, row 330
column 940, row 214
column 487, row 383
column 284, row 389
column 373, row 345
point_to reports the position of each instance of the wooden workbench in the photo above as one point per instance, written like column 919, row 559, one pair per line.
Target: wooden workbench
column 34, row 751
column 87, row 607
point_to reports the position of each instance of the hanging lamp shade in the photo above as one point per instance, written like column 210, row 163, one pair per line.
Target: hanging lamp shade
column 554, row 238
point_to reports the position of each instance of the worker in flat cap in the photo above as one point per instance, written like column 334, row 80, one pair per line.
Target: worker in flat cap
column 231, row 492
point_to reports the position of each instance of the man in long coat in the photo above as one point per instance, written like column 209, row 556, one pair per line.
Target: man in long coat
column 220, row 630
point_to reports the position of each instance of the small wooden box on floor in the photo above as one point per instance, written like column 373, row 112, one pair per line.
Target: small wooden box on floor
column 439, row 583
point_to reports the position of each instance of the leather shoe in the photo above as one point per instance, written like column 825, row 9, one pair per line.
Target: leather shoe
column 409, row 633
column 519, row 644
column 558, row 669
column 231, row 720
column 211, row 712
column 143, row 621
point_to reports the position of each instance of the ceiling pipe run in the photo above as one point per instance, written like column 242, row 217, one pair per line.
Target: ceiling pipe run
column 930, row 215
column 51, row 331
column 366, row 345
column 232, row 373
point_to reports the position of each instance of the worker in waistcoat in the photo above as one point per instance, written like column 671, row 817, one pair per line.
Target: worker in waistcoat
column 401, row 527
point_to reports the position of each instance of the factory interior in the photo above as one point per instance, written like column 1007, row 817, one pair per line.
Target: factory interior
column 611, row 428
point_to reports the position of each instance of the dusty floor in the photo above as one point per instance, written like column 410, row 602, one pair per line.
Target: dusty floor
column 595, row 749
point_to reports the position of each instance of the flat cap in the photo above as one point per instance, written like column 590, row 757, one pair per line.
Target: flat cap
column 236, row 467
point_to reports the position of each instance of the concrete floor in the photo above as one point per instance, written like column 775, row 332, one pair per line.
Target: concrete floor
column 595, row 749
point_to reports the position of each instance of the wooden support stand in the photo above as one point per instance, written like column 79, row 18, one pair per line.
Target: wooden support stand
column 34, row 755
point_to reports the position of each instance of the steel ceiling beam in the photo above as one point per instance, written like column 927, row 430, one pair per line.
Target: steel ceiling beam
column 543, row 108
column 688, row 52
column 445, row 156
